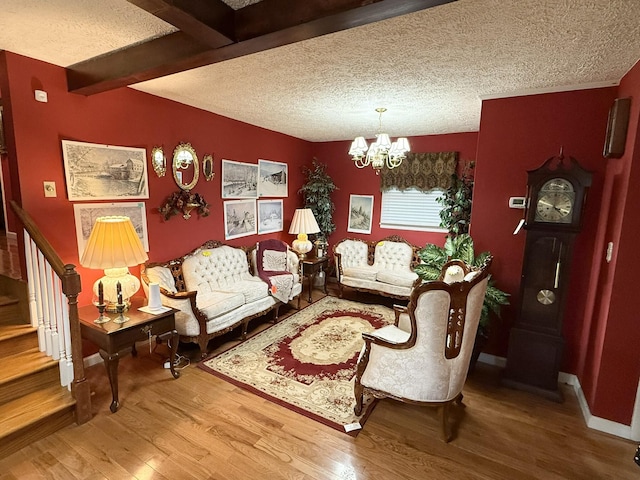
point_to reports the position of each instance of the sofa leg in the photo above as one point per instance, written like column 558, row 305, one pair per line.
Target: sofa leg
column 276, row 311
column 245, row 327
column 202, row 343
column 358, row 391
column 339, row 290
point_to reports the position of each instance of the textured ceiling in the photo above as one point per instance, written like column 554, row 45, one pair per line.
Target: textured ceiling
column 430, row 69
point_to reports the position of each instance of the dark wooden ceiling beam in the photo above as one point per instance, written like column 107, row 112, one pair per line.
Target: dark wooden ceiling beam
column 261, row 26
column 208, row 21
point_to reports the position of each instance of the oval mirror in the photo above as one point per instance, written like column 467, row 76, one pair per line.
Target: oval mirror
column 207, row 167
column 185, row 166
column 158, row 161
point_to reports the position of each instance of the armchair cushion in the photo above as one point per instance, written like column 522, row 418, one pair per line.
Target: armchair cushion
column 397, row 277
column 214, row 304
column 364, row 272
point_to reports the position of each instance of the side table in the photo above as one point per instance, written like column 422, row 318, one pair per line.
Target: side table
column 310, row 268
column 117, row 339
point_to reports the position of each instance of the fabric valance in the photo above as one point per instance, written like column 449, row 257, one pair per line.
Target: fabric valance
column 423, row 171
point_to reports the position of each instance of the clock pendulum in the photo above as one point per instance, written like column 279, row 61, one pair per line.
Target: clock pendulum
column 556, row 195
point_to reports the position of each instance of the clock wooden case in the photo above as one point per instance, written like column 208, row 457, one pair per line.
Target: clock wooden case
column 556, row 196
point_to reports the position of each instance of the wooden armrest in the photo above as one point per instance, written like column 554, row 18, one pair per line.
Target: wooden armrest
column 370, row 338
column 179, row 295
column 398, row 310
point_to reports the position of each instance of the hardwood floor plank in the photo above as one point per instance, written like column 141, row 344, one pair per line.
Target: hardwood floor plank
column 201, row 427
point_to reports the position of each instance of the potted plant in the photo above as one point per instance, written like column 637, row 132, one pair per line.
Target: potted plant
column 461, row 247
column 316, row 192
column 456, row 201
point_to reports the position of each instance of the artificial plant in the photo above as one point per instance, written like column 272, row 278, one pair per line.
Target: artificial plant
column 316, row 192
column 456, row 202
column 461, row 247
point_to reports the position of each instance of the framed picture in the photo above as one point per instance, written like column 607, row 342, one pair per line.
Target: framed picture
column 270, row 218
column 86, row 214
column 274, row 179
column 360, row 213
column 239, row 218
column 239, row 180
column 104, row 172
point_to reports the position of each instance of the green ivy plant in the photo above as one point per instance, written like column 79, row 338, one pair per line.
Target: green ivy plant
column 456, row 202
column 316, row 193
column 461, row 247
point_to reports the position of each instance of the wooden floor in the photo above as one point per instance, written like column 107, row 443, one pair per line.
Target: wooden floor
column 201, row 427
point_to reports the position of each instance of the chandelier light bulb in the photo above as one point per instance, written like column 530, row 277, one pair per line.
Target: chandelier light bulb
column 381, row 152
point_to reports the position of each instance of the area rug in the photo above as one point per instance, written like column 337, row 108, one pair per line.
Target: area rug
column 307, row 362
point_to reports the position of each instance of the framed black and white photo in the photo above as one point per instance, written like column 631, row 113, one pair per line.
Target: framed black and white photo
column 239, row 218
column 270, row 218
column 239, row 179
column 86, row 214
column 274, row 179
column 360, row 213
column 104, row 172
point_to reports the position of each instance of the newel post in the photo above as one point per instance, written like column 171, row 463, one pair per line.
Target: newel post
column 71, row 286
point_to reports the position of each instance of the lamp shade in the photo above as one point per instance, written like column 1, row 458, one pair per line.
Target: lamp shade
column 304, row 222
column 113, row 243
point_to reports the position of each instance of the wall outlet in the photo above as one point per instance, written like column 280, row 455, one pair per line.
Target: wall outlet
column 50, row 189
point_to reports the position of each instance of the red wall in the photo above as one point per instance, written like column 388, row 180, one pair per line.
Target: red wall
column 130, row 118
column 611, row 364
column 516, row 134
column 352, row 180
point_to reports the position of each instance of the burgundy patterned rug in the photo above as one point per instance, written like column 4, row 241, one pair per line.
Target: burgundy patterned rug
column 307, row 362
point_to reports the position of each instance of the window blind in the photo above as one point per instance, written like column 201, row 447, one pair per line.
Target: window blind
column 411, row 209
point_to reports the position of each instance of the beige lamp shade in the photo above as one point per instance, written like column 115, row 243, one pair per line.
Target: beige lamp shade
column 113, row 243
column 113, row 246
column 303, row 223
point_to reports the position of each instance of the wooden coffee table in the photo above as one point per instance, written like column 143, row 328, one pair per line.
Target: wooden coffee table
column 115, row 340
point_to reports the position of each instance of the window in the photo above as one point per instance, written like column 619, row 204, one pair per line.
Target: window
column 411, row 209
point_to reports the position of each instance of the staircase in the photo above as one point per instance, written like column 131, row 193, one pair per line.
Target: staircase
column 32, row 402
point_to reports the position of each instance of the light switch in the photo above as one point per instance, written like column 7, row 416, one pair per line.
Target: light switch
column 50, row 189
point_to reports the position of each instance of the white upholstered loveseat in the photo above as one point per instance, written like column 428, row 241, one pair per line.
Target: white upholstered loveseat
column 384, row 267
column 215, row 290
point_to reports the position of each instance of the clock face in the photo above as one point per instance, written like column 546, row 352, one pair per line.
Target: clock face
column 555, row 202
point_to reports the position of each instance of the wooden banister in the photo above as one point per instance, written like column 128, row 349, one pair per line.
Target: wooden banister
column 71, row 287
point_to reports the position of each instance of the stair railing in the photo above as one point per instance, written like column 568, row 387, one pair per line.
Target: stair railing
column 57, row 324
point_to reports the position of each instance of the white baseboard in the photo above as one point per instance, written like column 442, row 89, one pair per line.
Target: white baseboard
column 596, row 423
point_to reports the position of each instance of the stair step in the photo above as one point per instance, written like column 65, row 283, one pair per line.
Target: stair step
column 25, row 372
column 10, row 312
column 33, row 416
column 17, row 338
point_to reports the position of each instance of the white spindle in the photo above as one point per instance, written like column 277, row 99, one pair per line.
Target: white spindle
column 37, row 287
column 33, row 309
column 64, row 336
column 45, row 289
column 53, row 317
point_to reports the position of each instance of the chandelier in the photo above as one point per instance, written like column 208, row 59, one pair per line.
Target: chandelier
column 381, row 152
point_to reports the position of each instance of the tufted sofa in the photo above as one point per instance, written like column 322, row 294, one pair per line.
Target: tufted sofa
column 215, row 290
column 384, row 267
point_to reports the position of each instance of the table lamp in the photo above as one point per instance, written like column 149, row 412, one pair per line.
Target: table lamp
column 113, row 246
column 302, row 224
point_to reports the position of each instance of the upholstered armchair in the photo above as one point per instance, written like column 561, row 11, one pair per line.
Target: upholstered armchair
column 424, row 358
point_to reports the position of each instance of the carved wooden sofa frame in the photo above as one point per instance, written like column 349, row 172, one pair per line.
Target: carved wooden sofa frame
column 182, row 294
column 371, row 247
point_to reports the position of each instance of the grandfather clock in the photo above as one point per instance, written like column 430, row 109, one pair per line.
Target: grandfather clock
column 556, row 195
